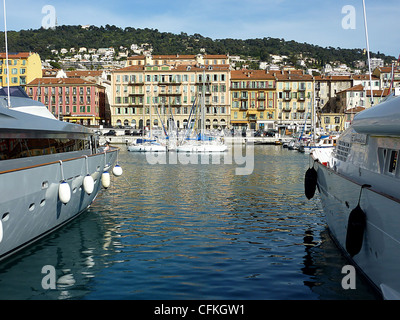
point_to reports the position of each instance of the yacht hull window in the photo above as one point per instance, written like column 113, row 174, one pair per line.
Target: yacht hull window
column 21, row 148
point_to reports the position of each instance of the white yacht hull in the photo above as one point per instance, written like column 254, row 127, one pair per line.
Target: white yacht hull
column 30, row 206
column 310, row 149
column 379, row 257
column 146, row 148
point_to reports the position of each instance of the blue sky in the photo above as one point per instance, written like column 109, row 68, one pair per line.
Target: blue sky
column 312, row 21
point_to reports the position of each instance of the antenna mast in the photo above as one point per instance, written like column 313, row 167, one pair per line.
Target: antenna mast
column 368, row 54
column 7, row 65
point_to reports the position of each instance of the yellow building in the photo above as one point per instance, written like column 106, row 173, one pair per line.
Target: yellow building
column 332, row 122
column 253, row 99
column 24, row 67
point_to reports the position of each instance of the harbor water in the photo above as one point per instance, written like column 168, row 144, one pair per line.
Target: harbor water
column 190, row 231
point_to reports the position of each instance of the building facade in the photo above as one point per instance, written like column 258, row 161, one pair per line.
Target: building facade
column 153, row 91
column 253, row 99
column 295, row 109
column 24, row 67
column 71, row 99
column 331, row 122
column 326, row 88
column 388, row 76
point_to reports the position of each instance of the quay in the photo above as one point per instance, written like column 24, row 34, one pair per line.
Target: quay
column 121, row 138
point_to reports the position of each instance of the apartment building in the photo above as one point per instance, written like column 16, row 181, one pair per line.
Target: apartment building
column 155, row 90
column 253, row 99
column 384, row 74
column 71, row 99
column 360, row 96
column 24, row 67
column 295, row 109
column 326, row 88
column 365, row 80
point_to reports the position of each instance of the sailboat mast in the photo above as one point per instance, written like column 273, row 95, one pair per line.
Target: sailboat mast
column 151, row 97
column 368, row 54
column 203, row 103
column 7, row 63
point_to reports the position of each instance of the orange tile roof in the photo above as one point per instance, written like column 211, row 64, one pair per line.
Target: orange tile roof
column 379, row 93
column 59, row 81
column 84, row 73
column 216, row 67
column 245, row 74
column 364, row 77
column 14, row 55
column 292, row 75
column 333, row 78
column 130, row 68
column 358, row 87
column 179, row 56
column 176, row 68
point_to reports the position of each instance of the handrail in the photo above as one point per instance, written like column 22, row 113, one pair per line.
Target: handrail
column 112, row 149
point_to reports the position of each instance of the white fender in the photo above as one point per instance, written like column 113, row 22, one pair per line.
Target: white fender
column 105, row 179
column 64, row 192
column 1, row 230
column 117, row 170
column 88, row 184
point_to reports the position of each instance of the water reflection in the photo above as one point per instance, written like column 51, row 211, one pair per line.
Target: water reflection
column 191, row 232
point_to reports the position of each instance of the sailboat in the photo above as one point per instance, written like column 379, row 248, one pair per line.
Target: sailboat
column 202, row 142
column 147, row 145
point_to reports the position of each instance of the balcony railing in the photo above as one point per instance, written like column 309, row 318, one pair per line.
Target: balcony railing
column 170, row 93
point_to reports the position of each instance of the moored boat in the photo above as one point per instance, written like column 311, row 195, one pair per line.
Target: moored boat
column 359, row 187
column 50, row 171
column 325, row 141
column 144, row 145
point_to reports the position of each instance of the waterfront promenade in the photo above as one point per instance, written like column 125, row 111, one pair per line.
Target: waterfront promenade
column 121, row 138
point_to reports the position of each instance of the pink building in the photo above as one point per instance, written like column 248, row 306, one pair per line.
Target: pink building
column 71, row 99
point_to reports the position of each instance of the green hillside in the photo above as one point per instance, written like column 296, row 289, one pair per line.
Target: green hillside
column 43, row 41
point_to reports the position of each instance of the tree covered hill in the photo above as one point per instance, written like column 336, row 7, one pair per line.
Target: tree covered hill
column 43, row 41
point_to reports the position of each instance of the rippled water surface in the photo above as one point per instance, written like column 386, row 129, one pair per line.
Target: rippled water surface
column 191, row 231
